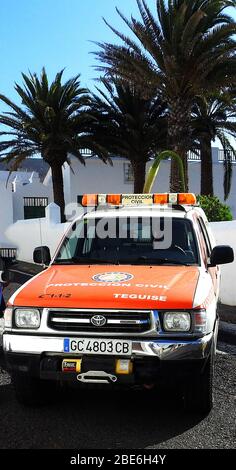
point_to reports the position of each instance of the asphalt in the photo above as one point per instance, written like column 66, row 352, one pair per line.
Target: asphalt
column 131, row 419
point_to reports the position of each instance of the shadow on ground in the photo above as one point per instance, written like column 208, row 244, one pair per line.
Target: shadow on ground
column 93, row 419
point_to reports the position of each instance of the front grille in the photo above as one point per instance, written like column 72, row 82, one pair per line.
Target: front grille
column 116, row 321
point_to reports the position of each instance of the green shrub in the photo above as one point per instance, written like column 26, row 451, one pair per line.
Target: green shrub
column 215, row 210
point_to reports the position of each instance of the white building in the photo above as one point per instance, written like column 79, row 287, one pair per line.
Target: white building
column 28, row 192
column 22, row 196
column 97, row 177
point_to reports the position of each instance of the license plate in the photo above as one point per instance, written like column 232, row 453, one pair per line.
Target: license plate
column 98, row 346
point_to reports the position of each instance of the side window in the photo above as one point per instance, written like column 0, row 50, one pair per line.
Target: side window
column 206, row 237
column 204, row 248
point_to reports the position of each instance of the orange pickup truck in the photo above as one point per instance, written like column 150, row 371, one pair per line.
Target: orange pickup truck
column 129, row 297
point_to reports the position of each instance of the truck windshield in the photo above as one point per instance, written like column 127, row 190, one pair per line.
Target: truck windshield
column 129, row 241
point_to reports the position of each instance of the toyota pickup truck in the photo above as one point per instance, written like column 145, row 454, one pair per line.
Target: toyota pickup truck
column 129, row 298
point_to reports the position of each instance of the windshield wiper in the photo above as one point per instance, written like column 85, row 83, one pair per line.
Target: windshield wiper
column 65, row 261
column 175, row 261
column 98, row 261
column 130, row 261
column 160, row 261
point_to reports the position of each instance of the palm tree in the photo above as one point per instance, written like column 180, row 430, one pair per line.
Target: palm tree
column 153, row 170
column 53, row 122
column 214, row 117
column 129, row 125
column 184, row 51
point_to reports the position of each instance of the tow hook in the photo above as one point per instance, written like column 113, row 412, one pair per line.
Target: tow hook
column 96, row 376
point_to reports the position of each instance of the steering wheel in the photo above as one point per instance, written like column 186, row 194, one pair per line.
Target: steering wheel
column 177, row 247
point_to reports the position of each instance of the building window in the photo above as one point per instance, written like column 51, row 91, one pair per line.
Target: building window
column 34, row 207
column 128, row 173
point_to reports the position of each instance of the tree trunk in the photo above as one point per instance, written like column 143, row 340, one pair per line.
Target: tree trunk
column 175, row 179
column 206, row 167
column 179, row 140
column 139, row 170
column 58, row 188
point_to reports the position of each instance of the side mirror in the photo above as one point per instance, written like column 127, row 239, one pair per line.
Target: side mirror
column 221, row 254
column 42, row 255
column 5, row 276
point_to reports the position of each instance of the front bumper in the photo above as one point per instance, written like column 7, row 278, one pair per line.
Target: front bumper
column 154, row 361
column 163, row 349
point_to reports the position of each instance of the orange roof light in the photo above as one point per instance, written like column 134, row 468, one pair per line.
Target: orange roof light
column 187, row 198
column 90, row 200
column 114, row 199
column 160, row 198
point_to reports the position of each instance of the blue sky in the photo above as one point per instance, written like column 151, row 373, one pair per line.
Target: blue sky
column 55, row 34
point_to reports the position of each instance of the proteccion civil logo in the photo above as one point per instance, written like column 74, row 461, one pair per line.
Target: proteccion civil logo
column 112, row 277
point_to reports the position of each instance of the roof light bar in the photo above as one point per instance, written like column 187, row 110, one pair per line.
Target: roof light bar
column 139, row 199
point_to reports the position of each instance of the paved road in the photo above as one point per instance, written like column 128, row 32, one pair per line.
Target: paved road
column 132, row 419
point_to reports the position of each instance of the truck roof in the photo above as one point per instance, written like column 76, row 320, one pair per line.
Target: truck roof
column 140, row 211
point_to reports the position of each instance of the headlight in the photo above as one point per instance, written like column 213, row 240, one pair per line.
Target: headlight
column 27, row 318
column 177, row 321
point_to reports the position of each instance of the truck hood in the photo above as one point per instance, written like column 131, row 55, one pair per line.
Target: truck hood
column 99, row 286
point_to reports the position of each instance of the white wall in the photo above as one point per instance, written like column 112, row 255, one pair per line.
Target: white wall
column 32, row 187
column 6, row 212
column 26, row 235
column 104, row 178
column 13, row 189
column 225, row 234
column 96, row 176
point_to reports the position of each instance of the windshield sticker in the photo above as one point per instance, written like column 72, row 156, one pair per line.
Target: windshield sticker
column 113, row 277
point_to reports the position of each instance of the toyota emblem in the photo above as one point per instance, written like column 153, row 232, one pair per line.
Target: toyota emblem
column 98, row 320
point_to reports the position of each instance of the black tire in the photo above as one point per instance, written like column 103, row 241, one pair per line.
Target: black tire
column 198, row 395
column 31, row 391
